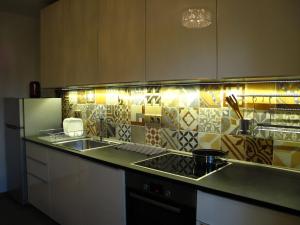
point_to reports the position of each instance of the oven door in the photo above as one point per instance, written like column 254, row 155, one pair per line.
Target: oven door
column 148, row 210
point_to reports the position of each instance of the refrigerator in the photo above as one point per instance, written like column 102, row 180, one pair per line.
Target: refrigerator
column 25, row 117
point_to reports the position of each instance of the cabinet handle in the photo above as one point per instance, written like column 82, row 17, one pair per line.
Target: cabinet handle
column 36, row 160
column 38, row 178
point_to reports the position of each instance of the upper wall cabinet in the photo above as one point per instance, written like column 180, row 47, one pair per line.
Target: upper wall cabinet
column 81, row 42
column 52, row 46
column 258, row 38
column 175, row 52
column 121, row 40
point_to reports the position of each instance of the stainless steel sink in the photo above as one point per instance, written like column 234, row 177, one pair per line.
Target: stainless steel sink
column 85, row 144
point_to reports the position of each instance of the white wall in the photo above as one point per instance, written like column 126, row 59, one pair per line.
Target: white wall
column 19, row 64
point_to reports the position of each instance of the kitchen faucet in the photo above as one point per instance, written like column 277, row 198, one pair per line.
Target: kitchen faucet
column 101, row 128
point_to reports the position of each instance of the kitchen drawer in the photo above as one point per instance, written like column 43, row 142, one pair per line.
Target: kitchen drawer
column 37, row 152
column 38, row 194
column 37, row 168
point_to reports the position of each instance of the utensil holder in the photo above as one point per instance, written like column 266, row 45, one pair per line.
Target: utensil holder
column 245, row 126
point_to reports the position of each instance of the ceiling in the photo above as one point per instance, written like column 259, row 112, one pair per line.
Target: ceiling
column 25, row 7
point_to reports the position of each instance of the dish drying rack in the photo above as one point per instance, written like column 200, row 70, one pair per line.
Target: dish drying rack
column 54, row 135
column 272, row 125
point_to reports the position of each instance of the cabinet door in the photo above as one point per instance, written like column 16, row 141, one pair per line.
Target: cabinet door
column 64, row 186
column 81, row 42
column 216, row 210
column 52, row 46
column 102, row 193
column 175, row 52
column 122, row 40
column 258, row 38
column 38, row 193
column 37, row 177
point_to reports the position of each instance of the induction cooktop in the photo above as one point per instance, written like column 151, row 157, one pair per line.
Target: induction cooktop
column 181, row 165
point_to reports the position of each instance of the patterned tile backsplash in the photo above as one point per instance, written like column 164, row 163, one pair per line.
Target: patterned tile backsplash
column 196, row 116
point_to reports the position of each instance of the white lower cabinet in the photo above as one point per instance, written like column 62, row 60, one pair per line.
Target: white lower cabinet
column 64, row 188
column 74, row 191
column 102, row 193
column 37, row 177
column 38, row 193
column 216, row 210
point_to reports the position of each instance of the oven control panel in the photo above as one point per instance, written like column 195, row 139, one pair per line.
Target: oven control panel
column 161, row 187
column 157, row 189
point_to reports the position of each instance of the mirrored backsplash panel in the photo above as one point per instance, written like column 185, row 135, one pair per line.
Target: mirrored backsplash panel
column 197, row 116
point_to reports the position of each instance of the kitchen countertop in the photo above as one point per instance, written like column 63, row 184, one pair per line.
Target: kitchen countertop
column 269, row 187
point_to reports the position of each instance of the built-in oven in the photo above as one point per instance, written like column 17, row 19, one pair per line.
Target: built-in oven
column 154, row 200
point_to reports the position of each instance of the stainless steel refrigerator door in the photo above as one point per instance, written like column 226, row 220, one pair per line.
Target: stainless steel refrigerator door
column 41, row 114
column 16, row 163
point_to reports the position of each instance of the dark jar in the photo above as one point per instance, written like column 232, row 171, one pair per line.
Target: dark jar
column 35, row 89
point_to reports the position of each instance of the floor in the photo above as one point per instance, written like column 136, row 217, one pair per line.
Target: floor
column 11, row 213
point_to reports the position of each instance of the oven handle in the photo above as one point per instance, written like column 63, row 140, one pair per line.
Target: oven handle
column 156, row 203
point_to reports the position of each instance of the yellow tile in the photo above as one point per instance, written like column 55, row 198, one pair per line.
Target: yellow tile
column 100, row 96
column 153, row 110
column 260, row 89
column 169, row 96
column 81, row 97
column 210, row 96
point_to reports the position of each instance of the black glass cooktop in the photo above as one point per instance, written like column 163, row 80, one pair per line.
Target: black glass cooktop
column 181, row 165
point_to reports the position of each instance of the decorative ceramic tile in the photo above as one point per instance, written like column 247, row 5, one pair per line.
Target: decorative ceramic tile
column 123, row 96
column 67, row 106
column 170, row 118
column 187, row 140
column 229, row 122
column 81, row 97
column 235, row 145
column 92, row 112
column 152, row 136
column 288, row 89
column 123, row 132
column 259, row 150
column 188, row 119
column 262, row 103
column 189, row 97
column 209, row 141
column 110, row 112
column 111, row 130
column 169, row 96
column 138, row 134
column 101, row 111
column 100, row 96
column 236, row 90
column 72, row 96
column 83, row 108
column 210, row 96
column 137, row 114
column 153, row 110
column 169, row 138
column 286, row 118
column 137, row 96
column 153, row 96
column 286, row 154
column 153, row 121
column 92, row 128
column 283, row 136
column 210, row 120
column 112, row 97
column 90, row 96
column 121, row 114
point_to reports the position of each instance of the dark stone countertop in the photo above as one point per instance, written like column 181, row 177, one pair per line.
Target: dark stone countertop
column 261, row 185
